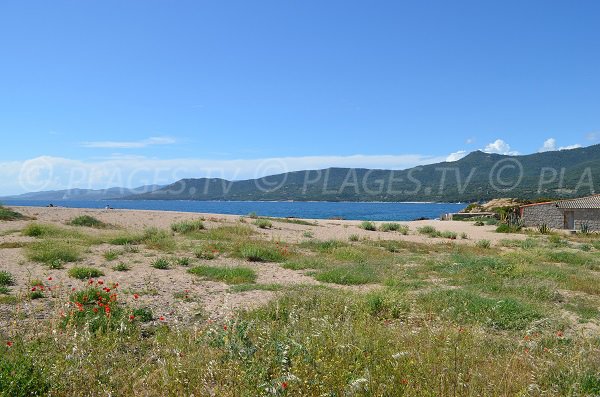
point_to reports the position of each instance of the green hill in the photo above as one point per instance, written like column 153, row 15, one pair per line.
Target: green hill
column 478, row 176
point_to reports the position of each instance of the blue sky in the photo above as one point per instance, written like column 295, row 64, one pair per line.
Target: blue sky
column 148, row 91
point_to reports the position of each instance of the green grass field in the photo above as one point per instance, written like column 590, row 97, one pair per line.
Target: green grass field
column 367, row 317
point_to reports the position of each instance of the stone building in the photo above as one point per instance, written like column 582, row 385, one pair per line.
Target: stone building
column 573, row 214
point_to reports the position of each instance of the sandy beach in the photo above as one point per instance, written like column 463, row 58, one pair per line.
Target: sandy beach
column 210, row 298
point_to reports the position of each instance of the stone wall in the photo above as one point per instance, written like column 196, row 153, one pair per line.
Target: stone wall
column 589, row 216
column 536, row 215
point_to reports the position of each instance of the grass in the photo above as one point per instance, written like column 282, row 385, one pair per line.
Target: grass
column 185, row 227
column 87, row 221
column 304, row 263
column 254, row 287
column 6, row 278
column 161, row 264
column 483, row 244
column 229, row 275
column 121, row 267
column 51, row 251
column 84, row 273
column 7, row 214
column 467, row 307
column 261, row 252
column 394, row 227
column 368, row 225
column 356, row 274
column 111, row 255
column 429, row 231
column 263, row 223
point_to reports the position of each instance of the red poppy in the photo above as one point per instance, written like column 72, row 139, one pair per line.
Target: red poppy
column 95, row 310
column 91, row 281
column 161, row 318
column 284, row 385
column 49, row 278
column 559, row 334
column 33, row 289
column 135, row 296
column 107, row 309
column 131, row 317
column 100, row 282
column 225, row 327
column 404, row 381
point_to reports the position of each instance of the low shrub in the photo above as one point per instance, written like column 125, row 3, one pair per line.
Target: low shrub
column 6, row 278
column 263, row 223
column 483, row 244
column 161, row 264
column 122, row 267
column 185, row 227
column 368, row 225
column 394, row 227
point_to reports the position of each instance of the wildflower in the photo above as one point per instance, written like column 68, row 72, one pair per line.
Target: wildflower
column 161, row 318
column 404, row 381
column 131, row 317
column 95, row 310
column 90, row 281
column 284, row 385
column 9, row 343
column 50, row 278
column 135, row 296
column 225, row 327
column 73, row 289
column 107, row 309
column 559, row 334
column 33, row 289
column 100, row 282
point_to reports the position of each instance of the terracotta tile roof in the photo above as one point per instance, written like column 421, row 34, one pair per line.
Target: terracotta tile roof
column 580, row 203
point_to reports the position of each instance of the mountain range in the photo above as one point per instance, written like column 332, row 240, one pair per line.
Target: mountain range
column 478, row 176
column 84, row 194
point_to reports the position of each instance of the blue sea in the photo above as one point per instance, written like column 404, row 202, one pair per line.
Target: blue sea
column 298, row 209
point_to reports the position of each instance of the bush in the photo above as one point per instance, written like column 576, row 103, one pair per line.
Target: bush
column 393, row 227
column 354, row 237
column 483, row 244
column 229, row 275
column 111, row 255
column 6, row 278
column 87, row 221
column 83, row 273
column 367, row 225
column 448, row 234
column 158, row 239
column 161, row 263
column 429, row 231
column 263, row 223
column 479, row 223
column 185, row 227
column 9, row 215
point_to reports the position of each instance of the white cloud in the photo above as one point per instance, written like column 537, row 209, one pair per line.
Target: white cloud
column 569, row 147
column 156, row 140
column 499, row 147
column 53, row 173
column 456, row 155
column 549, row 145
column 469, row 141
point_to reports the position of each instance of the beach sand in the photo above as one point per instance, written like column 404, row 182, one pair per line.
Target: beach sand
column 207, row 299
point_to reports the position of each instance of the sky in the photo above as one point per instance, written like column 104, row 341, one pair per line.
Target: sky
column 106, row 93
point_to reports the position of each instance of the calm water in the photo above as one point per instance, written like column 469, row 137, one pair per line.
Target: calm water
column 314, row 210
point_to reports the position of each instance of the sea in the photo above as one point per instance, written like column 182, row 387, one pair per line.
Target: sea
column 374, row 211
